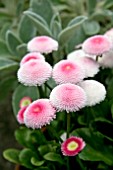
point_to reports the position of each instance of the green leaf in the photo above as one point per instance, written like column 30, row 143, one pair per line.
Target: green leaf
column 22, row 50
column 91, row 4
column 51, row 156
column 12, row 42
column 42, row 168
column 26, row 29
column 25, row 157
column 91, row 27
column 95, row 149
column 20, row 92
column 36, row 162
column 42, row 8
column 98, row 125
column 4, row 52
column 41, row 27
column 66, row 34
column 7, row 64
column 43, row 149
column 4, row 29
column 22, row 135
column 12, row 155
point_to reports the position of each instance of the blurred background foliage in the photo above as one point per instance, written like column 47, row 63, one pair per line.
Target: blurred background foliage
column 70, row 22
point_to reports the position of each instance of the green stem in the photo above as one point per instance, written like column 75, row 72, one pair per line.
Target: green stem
column 41, row 93
column 68, row 124
column 47, row 85
column 68, row 129
column 80, row 163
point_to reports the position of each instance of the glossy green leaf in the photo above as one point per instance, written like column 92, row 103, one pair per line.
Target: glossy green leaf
column 12, row 42
column 95, row 149
column 36, row 162
column 7, row 64
column 22, row 135
column 20, row 92
column 42, row 8
column 91, row 27
column 66, row 34
column 98, row 125
column 25, row 157
column 41, row 27
column 51, row 156
column 12, row 155
column 26, row 29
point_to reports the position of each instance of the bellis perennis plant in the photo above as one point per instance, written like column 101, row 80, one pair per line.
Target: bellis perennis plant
column 61, row 98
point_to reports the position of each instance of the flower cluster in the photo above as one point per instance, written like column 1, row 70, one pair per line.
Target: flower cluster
column 72, row 91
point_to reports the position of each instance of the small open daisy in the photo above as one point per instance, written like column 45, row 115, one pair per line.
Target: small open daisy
column 68, row 97
column 96, row 45
column 72, row 146
column 39, row 113
column 32, row 56
column 20, row 115
column 25, row 101
column 67, row 71
column 95, row 91
column 42, row 44
column 34, row 72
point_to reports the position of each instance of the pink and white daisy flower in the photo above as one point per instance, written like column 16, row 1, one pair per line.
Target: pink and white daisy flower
column 109, row 35
column 68, row 97
column 25, row 101
column 78, row 54
column 72, row 146
column 67, row 71
column 96, row 45
column 42, row 44
column 106, row 61
column 90, row 66
column 32, row 56
column 95, row 91
column 20, row 115
column 34, row 72
column 39, row 113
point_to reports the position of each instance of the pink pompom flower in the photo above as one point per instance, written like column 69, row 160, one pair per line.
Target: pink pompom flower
column 32, row 56
column 96, row 45
column 68, row 97
column 20, row 115
column 25, row 101
column 39, row 113
column 95, row 91
column 42, row 44
column 34, row 72
column 67, row 71
column 72, row 146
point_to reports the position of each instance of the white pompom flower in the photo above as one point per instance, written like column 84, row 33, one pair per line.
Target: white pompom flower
column 95, row 91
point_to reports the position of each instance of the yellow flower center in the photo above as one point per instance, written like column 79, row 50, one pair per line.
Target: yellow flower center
column 72, row 146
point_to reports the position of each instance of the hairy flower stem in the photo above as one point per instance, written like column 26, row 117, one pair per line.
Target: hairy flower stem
column 68, row 129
